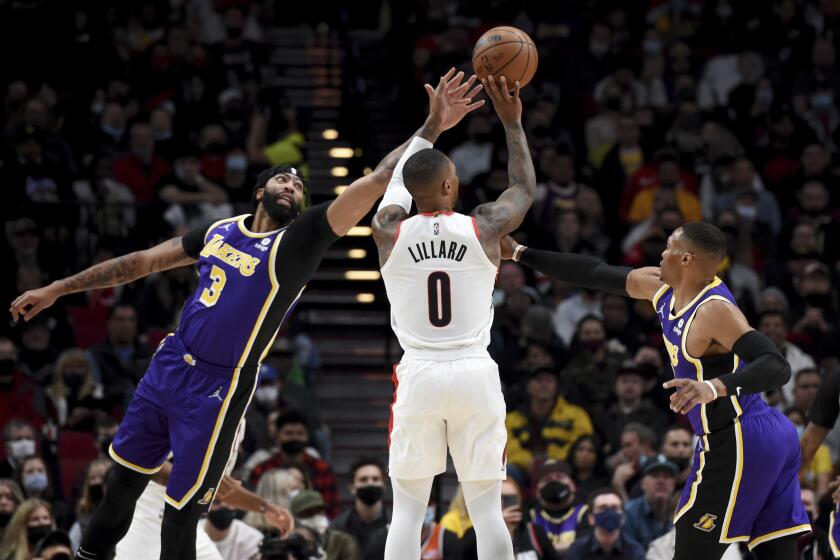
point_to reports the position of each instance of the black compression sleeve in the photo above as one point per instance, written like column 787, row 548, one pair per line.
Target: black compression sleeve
column 578, row 270
column 826, row 406
column 766, row 368
column 193, row 241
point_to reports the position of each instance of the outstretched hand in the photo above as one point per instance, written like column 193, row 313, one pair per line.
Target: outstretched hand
column 507, row 244
column 452, row 100
column 506, row 102
column 32, row 302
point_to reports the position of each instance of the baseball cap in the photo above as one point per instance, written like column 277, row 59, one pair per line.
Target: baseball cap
column 816, row 268
column 628, row 367
column 660, row 463
column 305, row 501
column 553, row 466
column 542, row 369
column 54, row 538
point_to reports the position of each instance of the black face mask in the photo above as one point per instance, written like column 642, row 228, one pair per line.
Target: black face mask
column 7, row 366
column 221, row 518
column 95, row 493
column 61, row 556
column 555, row 493
column 4, row 518
column 36, row 533
column 370, row 494
column 823, row 301
column 234, row 32
column 278, row 212
column 293, row 447
column 74, row 380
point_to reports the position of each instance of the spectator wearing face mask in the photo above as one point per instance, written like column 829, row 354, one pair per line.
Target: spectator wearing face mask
column 233, row 538
column 368, row 514
column 55, row 546
column 309, row 510
column 32, row 521
column 437, row 542
column 555, row 511
column 19, row 398
column 606, row 514
column 529, row 540
column 73, row 385
column 92, row 493
column 677, row 447
column 35, row 480
column 293, row 442
column 19, row 436
column 10, row 498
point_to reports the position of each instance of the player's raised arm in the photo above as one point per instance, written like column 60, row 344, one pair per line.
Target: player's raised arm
column 507, row 212
column 585, row 271
column 448, row 103
column 113, row 272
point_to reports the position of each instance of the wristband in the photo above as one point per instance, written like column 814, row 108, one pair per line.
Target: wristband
column 517, row 252
column 712, row 387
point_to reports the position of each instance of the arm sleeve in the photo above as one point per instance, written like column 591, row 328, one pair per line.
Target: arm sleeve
column 396, row 193
column 766, row 368
column 193, row 242
column 578, row 270
column 826, row 406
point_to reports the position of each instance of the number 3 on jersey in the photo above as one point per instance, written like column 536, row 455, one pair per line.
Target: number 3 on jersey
column 440, row 299
column 209, row 296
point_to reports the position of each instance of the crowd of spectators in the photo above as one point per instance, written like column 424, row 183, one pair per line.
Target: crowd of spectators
column 642, row 116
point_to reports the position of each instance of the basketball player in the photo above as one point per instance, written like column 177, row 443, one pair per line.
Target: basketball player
column 744, row 486
column 193, row 396
column 439, row 269
column 142, row 542
column 822, row 417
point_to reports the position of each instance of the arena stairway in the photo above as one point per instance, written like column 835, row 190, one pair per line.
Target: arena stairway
column 344, row 308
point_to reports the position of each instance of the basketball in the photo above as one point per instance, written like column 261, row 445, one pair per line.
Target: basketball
column 505, row 51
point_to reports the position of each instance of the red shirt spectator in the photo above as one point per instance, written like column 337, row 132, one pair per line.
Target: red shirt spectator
column 19, row 397
column 140, row 169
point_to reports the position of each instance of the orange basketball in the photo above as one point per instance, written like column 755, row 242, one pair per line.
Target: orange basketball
column 505, row 51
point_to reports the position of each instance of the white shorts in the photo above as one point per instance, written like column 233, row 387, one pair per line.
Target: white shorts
column 457, row 402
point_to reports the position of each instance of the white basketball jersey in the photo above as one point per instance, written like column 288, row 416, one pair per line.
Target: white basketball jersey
column 440, row 283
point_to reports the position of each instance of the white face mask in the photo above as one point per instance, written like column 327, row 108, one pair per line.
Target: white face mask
column 267, row 395
column 318, row 523
column 21, row 448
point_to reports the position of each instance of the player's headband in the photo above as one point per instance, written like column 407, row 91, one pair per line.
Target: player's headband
column 291, row 170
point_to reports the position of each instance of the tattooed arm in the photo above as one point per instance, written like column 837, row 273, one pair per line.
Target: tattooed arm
column 496, row 219
column 113, row 272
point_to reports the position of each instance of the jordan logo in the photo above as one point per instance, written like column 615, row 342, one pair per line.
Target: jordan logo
column 661, row 311
column 226, row 226
column 706, row 523
column 217, row 394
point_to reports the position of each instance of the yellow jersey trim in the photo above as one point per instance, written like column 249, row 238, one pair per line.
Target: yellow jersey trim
column 696, row 484
column 713, row 284
column 217, row 224
column 790, row 531
column 834, row 547
column 659, row 293
column 129, row 465
column 240, row 221
column 275, row 286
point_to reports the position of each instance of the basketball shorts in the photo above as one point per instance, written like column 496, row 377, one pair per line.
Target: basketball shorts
column 192, row 408
column 456, row 403
column 834, row 532
column 744, row 487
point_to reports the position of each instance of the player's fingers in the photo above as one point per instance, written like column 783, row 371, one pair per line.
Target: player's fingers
column 675, row 383
column 516, row 88
column 455, row 81
column 34, row 310
column 490, row 87
column 461, row 91
column 504, row 88
column 448, row 75
column 474, row 106
column 475, row 91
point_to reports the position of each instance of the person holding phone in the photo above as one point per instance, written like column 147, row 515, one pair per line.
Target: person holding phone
column 529, row 539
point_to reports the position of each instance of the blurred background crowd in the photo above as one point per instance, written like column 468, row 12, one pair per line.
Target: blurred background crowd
column 127, row 123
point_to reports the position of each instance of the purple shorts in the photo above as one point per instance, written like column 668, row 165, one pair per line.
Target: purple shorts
column 191, row 408
column 744, row 485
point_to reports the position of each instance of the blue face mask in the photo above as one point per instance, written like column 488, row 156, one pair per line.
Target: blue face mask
column 430, row 516
column 35, row 482
column 608, row 520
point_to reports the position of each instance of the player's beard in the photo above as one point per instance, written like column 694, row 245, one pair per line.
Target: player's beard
column 281, row 214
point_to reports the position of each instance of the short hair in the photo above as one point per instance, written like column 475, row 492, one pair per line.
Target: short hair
column 366, row 462
column 14, row 424
column 772, row 313
column 706, row 237
column 291, row 417
column 805, row 371
column 423, row 167
column 603, row 491
column 646, row 435
column 121, row 305
column 676, row 428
